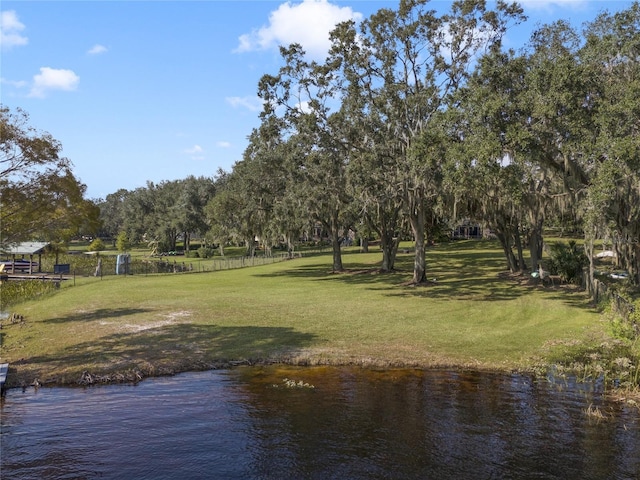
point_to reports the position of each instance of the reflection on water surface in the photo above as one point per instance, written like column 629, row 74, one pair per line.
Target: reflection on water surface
column 319, row 423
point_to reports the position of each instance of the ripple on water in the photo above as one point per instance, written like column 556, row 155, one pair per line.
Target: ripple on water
column 326, row 422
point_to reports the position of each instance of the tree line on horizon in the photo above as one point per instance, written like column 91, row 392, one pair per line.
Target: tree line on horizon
column 418, row 119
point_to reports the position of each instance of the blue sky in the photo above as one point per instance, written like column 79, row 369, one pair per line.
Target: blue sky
column 160, row 90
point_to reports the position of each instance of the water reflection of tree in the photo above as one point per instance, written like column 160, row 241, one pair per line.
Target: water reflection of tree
column 360, row 423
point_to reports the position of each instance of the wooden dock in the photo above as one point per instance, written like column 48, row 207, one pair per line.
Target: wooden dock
column 4, row 369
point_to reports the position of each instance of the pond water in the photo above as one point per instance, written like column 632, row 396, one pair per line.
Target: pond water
column 319, row 423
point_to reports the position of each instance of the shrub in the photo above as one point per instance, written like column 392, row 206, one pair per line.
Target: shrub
column 122, row 242
column 624, row 317
column 96, row 246
column 206, row 252
column 567, row 260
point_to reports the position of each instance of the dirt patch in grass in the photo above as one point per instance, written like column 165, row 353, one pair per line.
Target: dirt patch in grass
column 169, row 319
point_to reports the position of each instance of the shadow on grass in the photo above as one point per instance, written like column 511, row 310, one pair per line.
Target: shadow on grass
column 99, row 314
column 466, row 269
column 174, row 346
column 571, row 296
column 354, row 273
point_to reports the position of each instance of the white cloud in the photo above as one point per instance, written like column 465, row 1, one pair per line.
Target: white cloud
column 304, row 107
column 253, row 104
column 10, row 28
column 307, row 23
column 13, row 83
column 195, row 150
column 549, row 4
column 223, row 144
column 97, row 49
column 53, row 79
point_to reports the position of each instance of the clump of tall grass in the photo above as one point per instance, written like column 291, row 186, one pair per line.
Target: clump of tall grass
column 12, row 293
column 614, row 361
column 594, row 412
column 624, row 323
column 288, row 383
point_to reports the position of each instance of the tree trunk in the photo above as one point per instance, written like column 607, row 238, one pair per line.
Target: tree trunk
column 337, row 254
column 173, row 241
column 419, row 262
column 589, row 251
column 635, row 273
column 504, row 239
column 250, row 246
column 332, row 227
column 187, row 243
column 389, row 245
column 522, row 266
column 416, row 218
column 290, row 246
column 535, row 244
column 628, row 255
column 364, row 245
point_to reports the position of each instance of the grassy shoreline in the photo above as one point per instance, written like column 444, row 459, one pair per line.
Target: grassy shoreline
column 123, row 329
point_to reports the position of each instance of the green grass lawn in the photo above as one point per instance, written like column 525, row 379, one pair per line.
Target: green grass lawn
column 297, row 311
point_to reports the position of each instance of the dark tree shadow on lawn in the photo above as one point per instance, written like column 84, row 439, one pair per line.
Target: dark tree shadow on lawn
column 99, row 314
column 178, row 345
column 464, row 269
column 354, row 272
column 457, row 272
column 570, row 295
column 469, row 270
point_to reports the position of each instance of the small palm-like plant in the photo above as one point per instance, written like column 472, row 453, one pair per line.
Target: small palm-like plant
column 567, row 260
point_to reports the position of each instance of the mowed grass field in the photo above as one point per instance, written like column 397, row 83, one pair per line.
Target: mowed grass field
column 298, row 311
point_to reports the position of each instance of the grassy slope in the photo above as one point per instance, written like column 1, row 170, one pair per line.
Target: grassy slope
column 297, row 311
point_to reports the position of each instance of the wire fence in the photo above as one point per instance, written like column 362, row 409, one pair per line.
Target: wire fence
column 108, row 265
column 19, row 287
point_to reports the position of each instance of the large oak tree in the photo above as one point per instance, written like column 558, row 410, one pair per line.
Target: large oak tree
column 41, row 198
